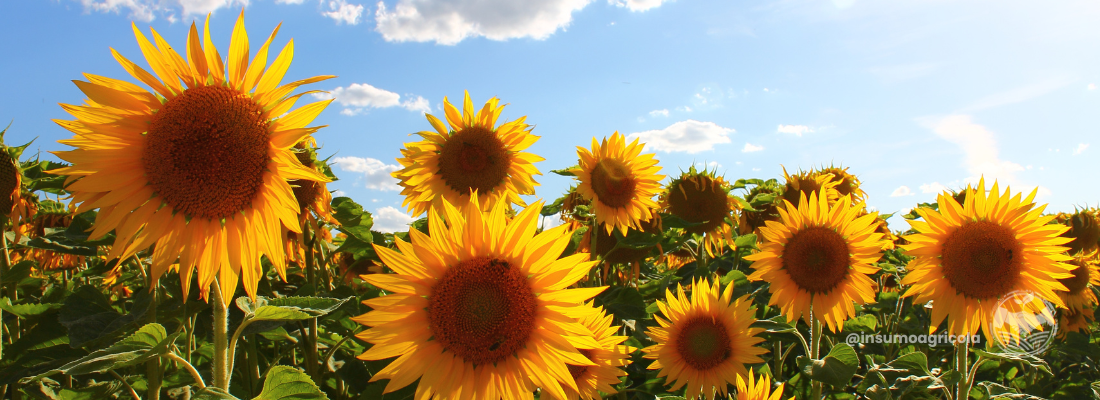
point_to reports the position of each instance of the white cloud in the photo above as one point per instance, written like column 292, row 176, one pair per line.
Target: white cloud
column 661, row 112
column 551, row 221
column 1080, row 148
column 934, row 187
column 756, row 170
column 683, row 108
column 750, row 148
column 289, row 1
column 980, row 148
column 359, row 96
column 341, row 11
column 902, row 191
column 637, row 5
column 1092, row 86
column 339, row 193
column 904, row 72
column 796, row 130
column 389, row 219
column 689, row 136
column 376, row 174
column 1019, row 94
column 448, row 22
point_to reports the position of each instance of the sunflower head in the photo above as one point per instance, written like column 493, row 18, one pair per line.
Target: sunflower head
column 1085, row 272
column 619, row 181
column 313, row 197
column 703, row 197
column 749, row 388
column 1084, row 230
column 968, row 257
column 197, row 166
column 846, row 183
column 480, row 305
column 704, row 339
column 575, row 209
column 804, row 183
column 468, row 154
column 609, row 359
column 764, row 200
column 11, row 178
column 606, row 244
column 819, row 259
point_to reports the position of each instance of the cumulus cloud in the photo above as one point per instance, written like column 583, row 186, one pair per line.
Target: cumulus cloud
column 637, row 5
column 1092, row 86
column 448, row 22
column 389, row 219
column 342, row 12
column 796, row 130
column 359, row 96
column 689, row 136
column 902, row 191
column 376, row 174
column 751, row 148
column 934, row 187
column 1080, row 148
column 661, row 112
column 979, row 145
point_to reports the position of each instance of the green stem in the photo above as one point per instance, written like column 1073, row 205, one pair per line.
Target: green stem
column 190, row 369
column 152, row 367
column 311, row 353
column 4, row 270
column 962, row 364
column 815, row 346
column 133, row 393
column 221, row 326
column 253, row 365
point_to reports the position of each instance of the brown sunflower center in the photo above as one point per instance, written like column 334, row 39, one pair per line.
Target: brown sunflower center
column 703, row 343
column 9, row 183
column 613, row 183
column 701, row 200
column 473, row 158
column 799, row 185
column 206, row 151
column 817, row 259
column 1080, row 280
column 482, row 310
column 577, row 371
column 982, row 259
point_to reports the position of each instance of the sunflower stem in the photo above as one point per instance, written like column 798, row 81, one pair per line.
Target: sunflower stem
column 962, row 364
column 152, row 367
column 815, row 347
column 221, row 344
column 311, row 265
column 7, row 265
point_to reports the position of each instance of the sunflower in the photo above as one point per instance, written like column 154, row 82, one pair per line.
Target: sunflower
column 610, row 358
column 704, row 198
column 705, row 341
column 468, row 155
column 968, row 257
column 765, row 200
column 198, row 167
column 1079, row 300
column 575, row 209
column 50, row 215
column 619, row 181
column 804, row 183
column 1084, row 229
column 11, row 180
column 752, row 389
column 846, row 183
column 818, row 259
column 479, row 309
column 313, row 200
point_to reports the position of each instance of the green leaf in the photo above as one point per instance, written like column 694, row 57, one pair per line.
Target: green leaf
column 745, row 241
column 553, row 208
column 777, row 324
column 212, row 393
column 1024, row 358
column 354, row 221
column 837, row 368
column 672, row 221
column 738, row 278
column 25, row 311
column 862, row 323
column 287, row 383
column 623, row 302
column 148, row 342
column 565, row 172
column 18, row 272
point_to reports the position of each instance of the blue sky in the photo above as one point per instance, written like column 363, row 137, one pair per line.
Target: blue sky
column 912, row 95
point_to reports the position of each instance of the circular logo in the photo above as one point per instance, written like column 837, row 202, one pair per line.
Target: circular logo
column 1024, row 323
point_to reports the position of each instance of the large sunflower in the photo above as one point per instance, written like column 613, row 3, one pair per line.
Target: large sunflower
column 480, row 307
column 968, row 257
column 619, row 181
column 703, row 197
column 818, row 259
column 846, row 183
column 468, row 155
column 749, row 388
column 610, row 358
column 198, row 167
column 706, row 340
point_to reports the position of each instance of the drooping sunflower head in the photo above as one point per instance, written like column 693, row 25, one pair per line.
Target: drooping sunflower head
column 610, row 359
column 1084, row 230
column 704, row 339
column 703, row 197
column 468, row 154
column 11, row 178
column 804, row 183
column 765, row 200
column 846, row 183
column 198, row 166
column 818, row 259
column 619, row 181
column 607, row 244
column 968, row 257
column 481, row 306
column 575, row 209
column 1079, row 295
column 749, row 388
column 313, row 197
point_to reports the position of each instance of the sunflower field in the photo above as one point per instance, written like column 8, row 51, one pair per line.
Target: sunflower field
column 187, row 247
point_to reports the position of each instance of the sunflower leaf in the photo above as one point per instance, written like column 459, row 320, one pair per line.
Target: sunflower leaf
column 354, row 220
column 565, row 171
column 148, row 342
column 287, row 383
column 837, row 368
column 1034, row 362
column 25, row 311
column 212, row 393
